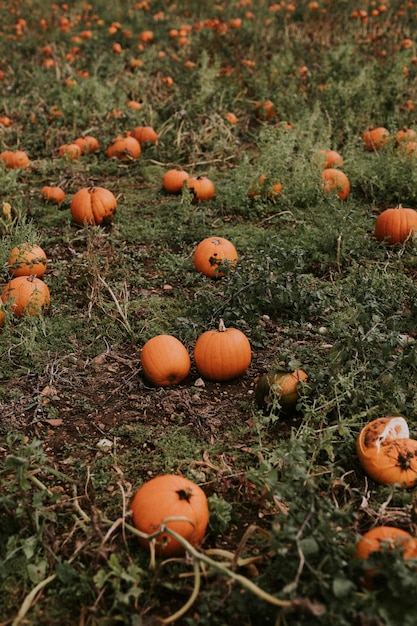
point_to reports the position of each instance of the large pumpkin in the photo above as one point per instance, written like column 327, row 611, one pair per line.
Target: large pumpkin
column 215, row 256
column 384, row 538
column 26, row 295
column 279, row 387
column 387, row 453
column 93, row 205
column 396, row 225
column 27, row 259
column 169, row 496
column 222, row 354
column 165, row 360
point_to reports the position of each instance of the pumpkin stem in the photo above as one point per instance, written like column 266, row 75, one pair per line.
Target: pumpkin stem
column 222, row 327
column 184, row 494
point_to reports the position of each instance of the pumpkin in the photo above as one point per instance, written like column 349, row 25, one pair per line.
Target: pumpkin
column 329, row 159
column 215, row 256
column 163, row 498
column 279, row 387
column 335, row 180
column 201, row 187
column 14, row 160
column 165, row 360
column 26, row 295
column 375, row 138
column 93, row 205
column 384, row 538
column 386, row 452
column 145, row 134
column 27, row 259
column 222, row 354
column 174, row 180
column 70, row 151
column 52, row 194
column 405, row 135
column 87, row 144
column 396, row 225
column 124, row 149
column 259, row 188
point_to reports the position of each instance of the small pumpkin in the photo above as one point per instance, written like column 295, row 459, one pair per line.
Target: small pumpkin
column 375, row 138
column 145, row 134
column 405, row 136
column 215, row 257
column 87, row 144
column 27, row 259
column 14, row 159
column 93, row 205
column 201, row 187
column 387, row 453
column 174, row 180
column 261, row 189
column 329, row 159
column 222, row 354
column 70, row 151
column 56, row 195
column 124, row 149
column 384, row 538
column 165, row 360
column 280, row 387
column 337, row 181
column 166, row 497
column 396, row 225
column 27, row 295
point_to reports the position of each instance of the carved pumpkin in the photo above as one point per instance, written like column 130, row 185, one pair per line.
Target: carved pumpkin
column 375, row 138
column 396, row 225
column 124, row 149
column 335, row 180
column 27, row 259
column 93, row 205
column 201, row 187
column 169, row 496
column 279, row 387
column 222, row 354
column 384, row 538
column 165, row 360
column 26, row 295
column 386, row 452
column 14, row 159
column 174, row 180
column 56, row 195
column 215, row 256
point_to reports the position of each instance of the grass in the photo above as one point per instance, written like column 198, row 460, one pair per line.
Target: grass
column 82, row 429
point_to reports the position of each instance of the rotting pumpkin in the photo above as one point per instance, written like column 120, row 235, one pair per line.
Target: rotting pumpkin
column 175, row 502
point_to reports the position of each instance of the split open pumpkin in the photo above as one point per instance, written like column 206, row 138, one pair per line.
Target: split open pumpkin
column 387, row 453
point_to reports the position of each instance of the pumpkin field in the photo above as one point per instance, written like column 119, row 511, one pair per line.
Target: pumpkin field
column 208, row 320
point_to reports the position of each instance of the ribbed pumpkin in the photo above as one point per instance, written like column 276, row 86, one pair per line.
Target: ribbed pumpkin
column 169, row 496
column 27, row 259
column 165, row 360
column 145, row 134
column 215, row 256
column 396, row 225
column 14, row 159
column 279, row 387
column 93, row 205
column 26, row 295
column 124, row 149
column 387, row 453
column 222, row 354
column 87, row 144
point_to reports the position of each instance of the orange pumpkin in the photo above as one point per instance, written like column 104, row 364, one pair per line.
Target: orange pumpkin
column 222, row 354
column 27, row 295
column 337, row 181
column 174, row 180
column 27, row 259
column 384, row 538
column 375, row 138
column 405, row 135
column 93, row 205
column 164, row 498
column 165, row 360
column 53, row 194
column 124, row 149
column 145, row 134
column 87, row 144
column 215, row 257
column 14, row 159
column 329, row 158
column 70, row 151
column 396, row 225
column 260, row 189
column 279, row 386
column 386, row 452
column 201, row 187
